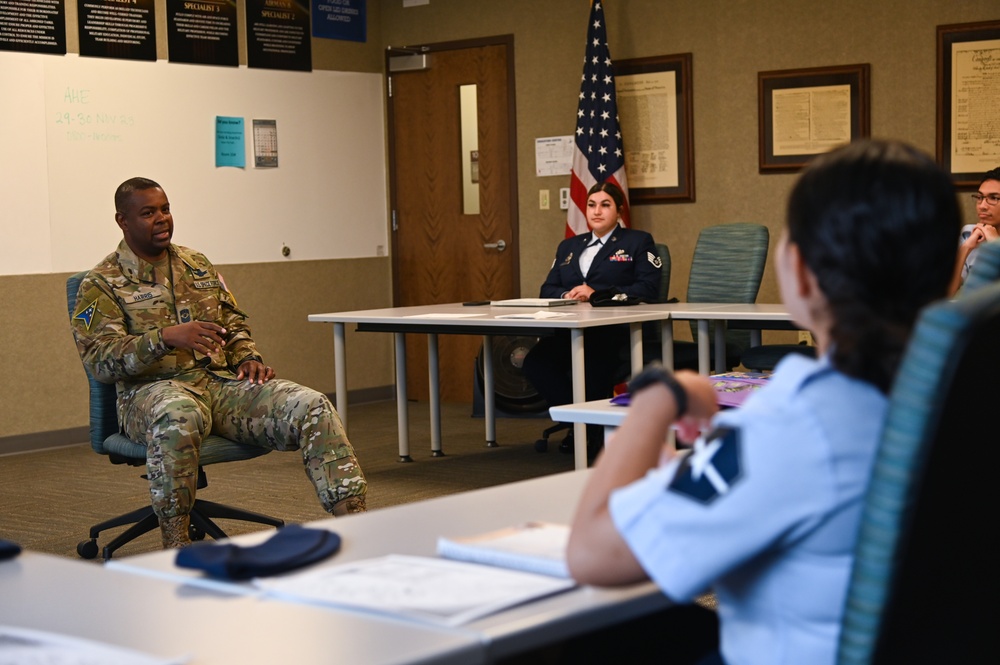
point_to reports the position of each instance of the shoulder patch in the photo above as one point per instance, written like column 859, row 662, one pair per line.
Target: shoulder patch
column 656, row 261
column 87, row 314
column 712, row 468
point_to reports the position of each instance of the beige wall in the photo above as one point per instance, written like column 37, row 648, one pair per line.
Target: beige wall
column 731, row 40
column 43, row 388
column 43, row 395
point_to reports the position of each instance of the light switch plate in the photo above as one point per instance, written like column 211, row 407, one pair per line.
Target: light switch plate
column 564, row 198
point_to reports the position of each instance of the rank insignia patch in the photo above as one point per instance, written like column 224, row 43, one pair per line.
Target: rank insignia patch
column 87, row 315
column 711, row 469
column 656, row 261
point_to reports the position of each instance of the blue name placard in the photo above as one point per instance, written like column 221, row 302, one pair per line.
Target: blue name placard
column 339, row 19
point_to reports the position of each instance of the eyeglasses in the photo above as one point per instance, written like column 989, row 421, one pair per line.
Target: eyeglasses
column 991, row 199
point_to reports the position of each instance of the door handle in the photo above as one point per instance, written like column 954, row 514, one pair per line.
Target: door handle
column 499, row 245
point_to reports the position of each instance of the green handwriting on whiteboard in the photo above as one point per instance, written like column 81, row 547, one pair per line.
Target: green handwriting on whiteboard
column 96, row 126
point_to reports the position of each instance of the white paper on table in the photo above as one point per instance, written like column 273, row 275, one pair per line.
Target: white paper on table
column 434, row 590
column 443, row 316
column 540, row 314
column 24, row 646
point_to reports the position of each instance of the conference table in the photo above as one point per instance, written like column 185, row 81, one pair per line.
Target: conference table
column 172, row 622
column 752, row 316
column 455, row 318
column 413, row 529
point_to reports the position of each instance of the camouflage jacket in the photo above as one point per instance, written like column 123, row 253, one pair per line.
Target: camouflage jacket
column 124, row 303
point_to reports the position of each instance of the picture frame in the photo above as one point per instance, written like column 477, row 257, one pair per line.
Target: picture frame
column 656, row 112
column 965, row 146
column 805, row 112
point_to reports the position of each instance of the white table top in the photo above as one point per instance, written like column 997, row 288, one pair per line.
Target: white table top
column 457, row 315
column 595, row 412
column 725, row 311
column 414, row 528
column 168, row 620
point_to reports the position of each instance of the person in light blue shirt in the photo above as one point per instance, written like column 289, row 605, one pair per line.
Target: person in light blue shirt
column 984, row 230
column 764, row 509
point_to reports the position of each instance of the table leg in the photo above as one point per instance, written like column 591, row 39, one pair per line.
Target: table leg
column 667, row 343
column 755, row 337
column 579, row 395
column 489, row 392
column 720, row 347
column 703, row 360
column 401, row 416
column 340, row 371
column 635, row 330
column 434, row 377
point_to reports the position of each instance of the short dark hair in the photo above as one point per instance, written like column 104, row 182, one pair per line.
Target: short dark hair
column 877, row 223
column 612, row 190
column 992, row 174
column 125, row 190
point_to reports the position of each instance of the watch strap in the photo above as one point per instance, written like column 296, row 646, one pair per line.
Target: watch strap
column 658, row 374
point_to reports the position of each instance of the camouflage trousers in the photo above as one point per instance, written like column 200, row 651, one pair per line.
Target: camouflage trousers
column 171, row 417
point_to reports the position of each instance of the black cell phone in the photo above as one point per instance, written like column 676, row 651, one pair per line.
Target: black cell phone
column 476, row 303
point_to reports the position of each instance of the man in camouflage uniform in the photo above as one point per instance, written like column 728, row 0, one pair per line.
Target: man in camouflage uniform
column 157, row 319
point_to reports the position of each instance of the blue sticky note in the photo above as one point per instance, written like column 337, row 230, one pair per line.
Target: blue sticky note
column 230, row 142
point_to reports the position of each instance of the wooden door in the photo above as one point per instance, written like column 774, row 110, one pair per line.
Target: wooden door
column 440, row 254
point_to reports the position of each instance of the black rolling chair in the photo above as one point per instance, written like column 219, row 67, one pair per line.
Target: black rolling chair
column 923, row 574
column 106, row 439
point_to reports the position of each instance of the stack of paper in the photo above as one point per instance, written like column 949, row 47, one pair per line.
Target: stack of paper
column 533, row 302
column 423, row 588
column 733, row 388
column 536, row 547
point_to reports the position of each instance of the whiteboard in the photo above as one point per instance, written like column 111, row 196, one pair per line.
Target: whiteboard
column 77, row 127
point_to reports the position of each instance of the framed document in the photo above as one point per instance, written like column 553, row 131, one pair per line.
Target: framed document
column 968, row 100
column 805, row 112
column 656, row 118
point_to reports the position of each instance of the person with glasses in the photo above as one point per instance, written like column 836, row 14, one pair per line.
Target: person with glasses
column 986, row 229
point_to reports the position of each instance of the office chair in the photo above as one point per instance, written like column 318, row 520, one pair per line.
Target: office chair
column 727, row 267
column 765, row 357
column 650, row 339
column 106, row 439
column 923, row 574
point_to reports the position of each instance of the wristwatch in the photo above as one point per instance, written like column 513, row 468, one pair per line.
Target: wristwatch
column 659, row 374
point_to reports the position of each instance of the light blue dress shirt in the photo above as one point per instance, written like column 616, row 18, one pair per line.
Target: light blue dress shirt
column 765, row 515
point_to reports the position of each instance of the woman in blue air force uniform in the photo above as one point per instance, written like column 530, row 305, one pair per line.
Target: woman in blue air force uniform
column 765, row 510
column 607, row 256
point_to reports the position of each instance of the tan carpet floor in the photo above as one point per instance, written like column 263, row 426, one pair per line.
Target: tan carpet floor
column 49, row 499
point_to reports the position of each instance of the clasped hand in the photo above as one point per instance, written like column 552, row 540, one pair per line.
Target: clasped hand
column 581, row 293
column 981, row 233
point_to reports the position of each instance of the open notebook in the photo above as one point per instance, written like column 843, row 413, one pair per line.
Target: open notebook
column 533, row 302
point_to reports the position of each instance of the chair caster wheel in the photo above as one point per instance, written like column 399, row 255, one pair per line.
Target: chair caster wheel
column 542, row 446
column 196, row 534
column 87, row 549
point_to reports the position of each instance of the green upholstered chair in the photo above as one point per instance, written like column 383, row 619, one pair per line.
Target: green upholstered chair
column 923, row 573
column 106, row 439
column 727, row 267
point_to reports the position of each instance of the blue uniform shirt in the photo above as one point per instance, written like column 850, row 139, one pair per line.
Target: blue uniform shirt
column 766, row 514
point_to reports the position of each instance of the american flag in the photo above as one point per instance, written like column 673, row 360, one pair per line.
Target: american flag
column 599, row 153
